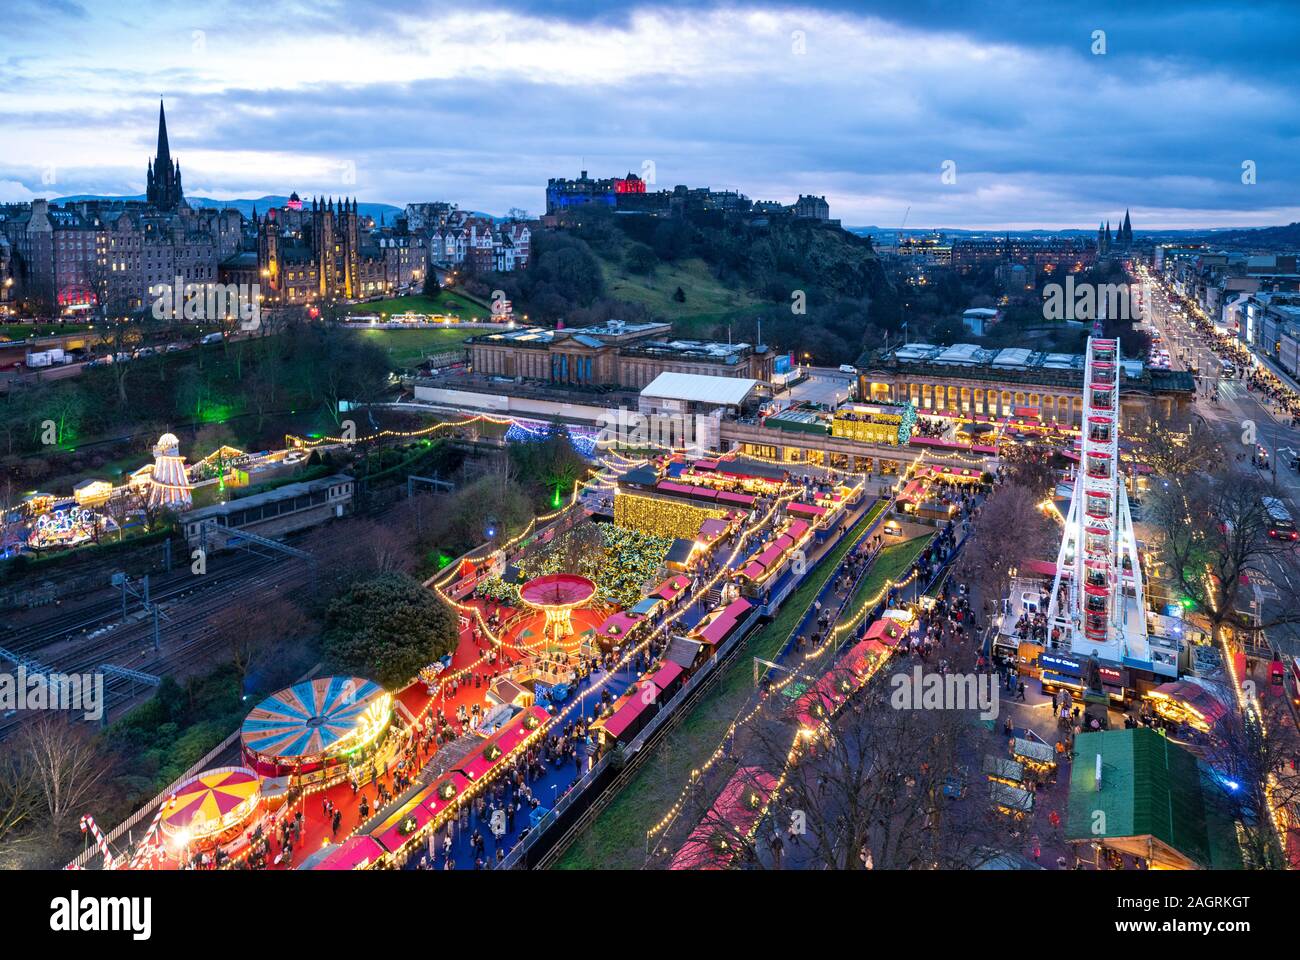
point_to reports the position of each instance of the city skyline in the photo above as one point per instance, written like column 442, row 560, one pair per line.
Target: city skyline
column 409, row 101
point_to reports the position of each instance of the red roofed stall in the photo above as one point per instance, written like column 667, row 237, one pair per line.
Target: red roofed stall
column 619, row 625
column 497, row 747
column 715, row 629
column 670, row 588
column 630, row 718
column 397, row 828
column 743, row 499
column 355, row 853
column 887, row 630
column 796, row 529
column 716, row 840
column 668, row 678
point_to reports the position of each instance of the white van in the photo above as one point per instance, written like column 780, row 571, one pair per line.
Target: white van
column 212, row 338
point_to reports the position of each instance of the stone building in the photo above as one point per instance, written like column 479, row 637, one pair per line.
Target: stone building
column 613, row 354
column 1012, row 382
column 321, row 252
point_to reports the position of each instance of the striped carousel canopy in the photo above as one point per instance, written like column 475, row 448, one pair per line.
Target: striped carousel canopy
column 308, row 719
column 207, row 802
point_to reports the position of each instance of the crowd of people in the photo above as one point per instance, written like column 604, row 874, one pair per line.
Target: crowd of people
column 931, row 427
column 507, row 806
column 1283, row 400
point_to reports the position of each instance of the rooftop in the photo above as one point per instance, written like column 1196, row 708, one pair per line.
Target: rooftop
column 596, row 335
column 696, row 388
column 1015, row 363
column 1150, row 788
column 288, row 491
column 706, row 350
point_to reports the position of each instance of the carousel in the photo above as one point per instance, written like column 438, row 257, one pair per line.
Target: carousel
column 557, row 595
column 211, row 808
column 308, row 730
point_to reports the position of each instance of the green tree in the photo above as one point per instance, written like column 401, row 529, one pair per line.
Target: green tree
column 388, row 627
column 550, row 464
column 641, row 259
column 66, row 407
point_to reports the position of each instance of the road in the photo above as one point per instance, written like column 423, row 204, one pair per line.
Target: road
column 1237, row 412
column 11, row 376
column 1237, row 407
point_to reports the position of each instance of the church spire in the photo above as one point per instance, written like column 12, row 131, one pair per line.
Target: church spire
column 163, row 178
column 164, row 151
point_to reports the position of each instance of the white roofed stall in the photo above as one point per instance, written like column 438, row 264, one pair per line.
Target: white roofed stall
column 697, row 388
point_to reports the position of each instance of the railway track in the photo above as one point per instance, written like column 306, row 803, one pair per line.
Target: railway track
column 186, row 637
column 106, row 612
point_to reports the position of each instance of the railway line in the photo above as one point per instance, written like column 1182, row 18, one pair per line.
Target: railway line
column 186, row 634
column 83, row 640
column 106, row 612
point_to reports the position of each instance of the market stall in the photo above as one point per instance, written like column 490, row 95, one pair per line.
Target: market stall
column 722, row 833
column 1002, row 770
column 632, row 712
column 1016, row 802
column 888, row 631
column 618, row 626
column 806, row 510
column 671, row 588
column 1036, row 758
column 719, row 625
column 1187, row 702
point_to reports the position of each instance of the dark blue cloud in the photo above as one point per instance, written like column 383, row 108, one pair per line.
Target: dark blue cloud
column 1041, row 130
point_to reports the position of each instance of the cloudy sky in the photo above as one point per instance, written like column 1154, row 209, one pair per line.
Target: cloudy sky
column 400, row 100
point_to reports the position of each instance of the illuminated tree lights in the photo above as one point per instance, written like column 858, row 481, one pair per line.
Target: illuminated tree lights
column 662, row 518
column 628, row 559
column 532, row 431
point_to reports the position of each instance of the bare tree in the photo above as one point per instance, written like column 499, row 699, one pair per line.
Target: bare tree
column 20, row 796
column 1256, row 776
column 117, row 508
column 1175, row 447
column 1012, row 528
column 877, row 786
column 69, row 768
column 252, row 630
column 1030, row 466
column 1215, row 541
column 122, row 338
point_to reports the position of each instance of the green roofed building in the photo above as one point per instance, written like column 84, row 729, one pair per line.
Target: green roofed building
column 1156, row 801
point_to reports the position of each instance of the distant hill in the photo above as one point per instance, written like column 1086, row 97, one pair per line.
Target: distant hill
column 1200, row 233
column 814, row 288
column 376, row 210
column 1265, row 237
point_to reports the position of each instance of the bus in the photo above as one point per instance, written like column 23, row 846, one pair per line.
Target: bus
column 1280, row 524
